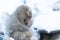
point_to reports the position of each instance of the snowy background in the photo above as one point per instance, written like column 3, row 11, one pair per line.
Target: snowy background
column 46, row 13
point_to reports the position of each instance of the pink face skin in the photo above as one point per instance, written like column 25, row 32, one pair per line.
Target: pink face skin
column 27, row 21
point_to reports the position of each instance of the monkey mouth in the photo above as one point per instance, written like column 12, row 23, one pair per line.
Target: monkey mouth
column 26, row 21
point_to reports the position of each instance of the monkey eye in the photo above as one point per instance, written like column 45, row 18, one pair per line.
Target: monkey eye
column 18, row 14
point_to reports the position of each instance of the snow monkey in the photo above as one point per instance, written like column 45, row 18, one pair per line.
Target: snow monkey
column 19, row 23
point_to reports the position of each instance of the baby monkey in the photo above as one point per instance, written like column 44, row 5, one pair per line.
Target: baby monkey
column 19, row 23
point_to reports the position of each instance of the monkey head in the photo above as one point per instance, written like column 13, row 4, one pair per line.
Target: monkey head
column 24, row 15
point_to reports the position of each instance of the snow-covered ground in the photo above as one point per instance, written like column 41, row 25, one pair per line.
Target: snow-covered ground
column 43, row 15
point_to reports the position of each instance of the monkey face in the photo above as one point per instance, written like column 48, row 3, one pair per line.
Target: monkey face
column 26, row 21
column 24, row 15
